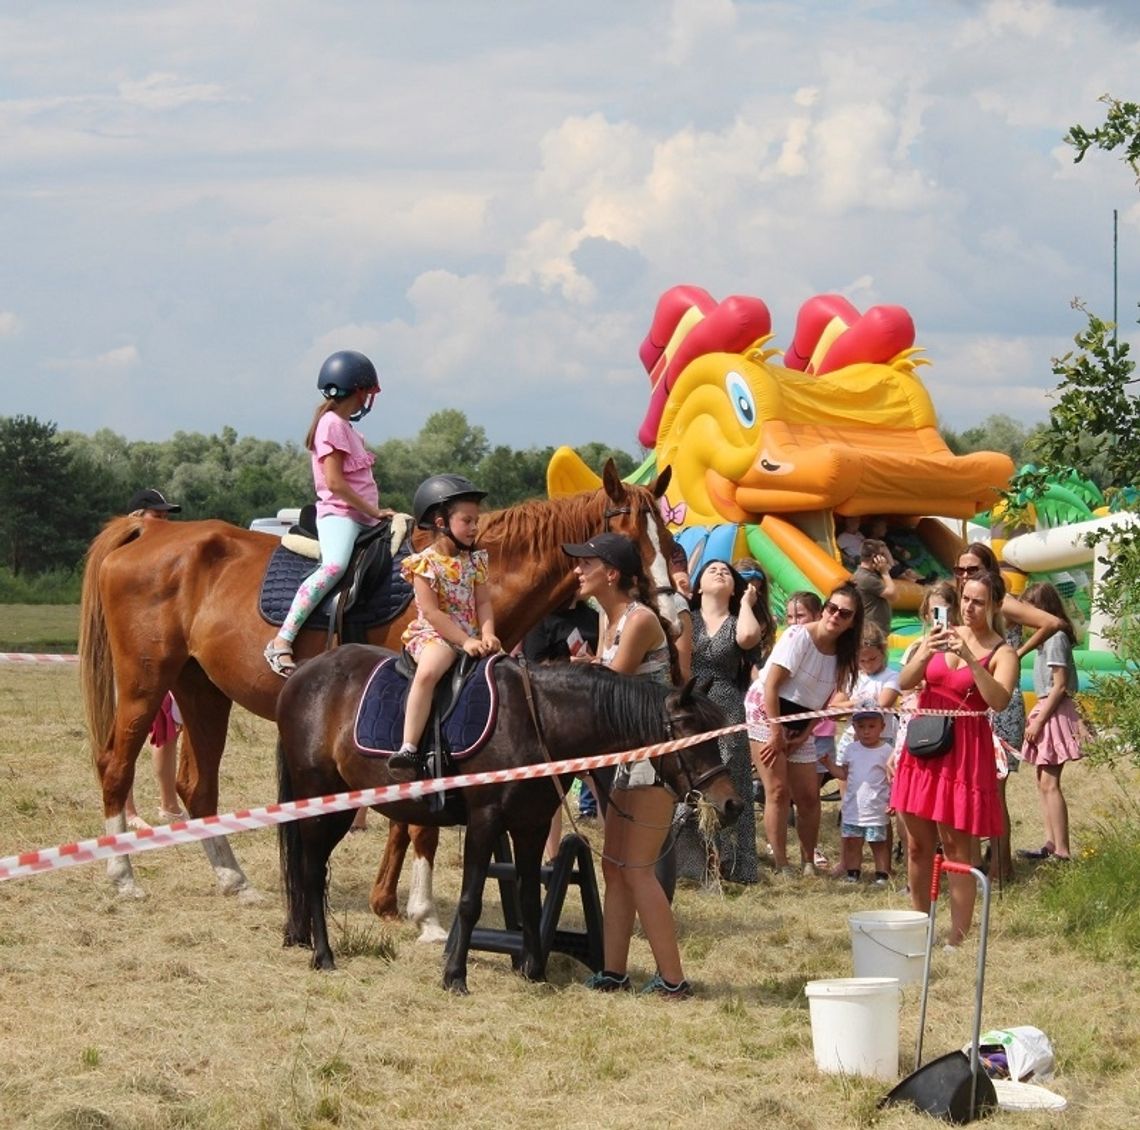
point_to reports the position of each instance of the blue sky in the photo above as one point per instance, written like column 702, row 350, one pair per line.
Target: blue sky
column 202, row 200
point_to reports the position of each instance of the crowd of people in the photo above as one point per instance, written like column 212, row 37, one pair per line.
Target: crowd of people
column 935, row 784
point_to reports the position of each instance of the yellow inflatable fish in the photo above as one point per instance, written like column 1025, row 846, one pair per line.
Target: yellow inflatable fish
column 747, row 437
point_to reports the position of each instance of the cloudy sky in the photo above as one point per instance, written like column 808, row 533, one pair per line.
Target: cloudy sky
column 201, row 200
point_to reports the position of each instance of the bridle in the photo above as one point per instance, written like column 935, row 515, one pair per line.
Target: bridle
column 695, row 784
column 655, row 590
column 691, row 795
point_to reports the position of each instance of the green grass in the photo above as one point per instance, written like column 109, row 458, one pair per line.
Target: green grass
column 56, row 586
column 1092, row 902
column 39, row 627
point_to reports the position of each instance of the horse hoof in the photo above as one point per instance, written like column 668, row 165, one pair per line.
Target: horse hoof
column 457, row 987
column 231, row 882
column 433, row 934
column 322, row 962
column 129, row 889
column 249, row 895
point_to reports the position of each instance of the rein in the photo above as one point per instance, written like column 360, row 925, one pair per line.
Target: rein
column 692, row 793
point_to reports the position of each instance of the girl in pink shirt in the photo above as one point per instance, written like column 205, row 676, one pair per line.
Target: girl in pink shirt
column 348, row 501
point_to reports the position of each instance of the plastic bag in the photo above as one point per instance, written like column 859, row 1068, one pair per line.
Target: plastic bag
column 1026, row 1052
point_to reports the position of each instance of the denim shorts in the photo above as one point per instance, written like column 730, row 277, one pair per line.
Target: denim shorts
column 637, row 775
column 873, row 833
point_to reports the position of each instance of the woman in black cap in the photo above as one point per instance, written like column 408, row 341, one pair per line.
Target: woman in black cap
column 634, row 642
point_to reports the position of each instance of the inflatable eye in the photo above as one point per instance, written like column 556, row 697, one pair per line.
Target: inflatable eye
column 773, row 466
column 741, row 396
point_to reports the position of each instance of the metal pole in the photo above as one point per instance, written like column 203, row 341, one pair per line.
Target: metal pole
column 1114, row 275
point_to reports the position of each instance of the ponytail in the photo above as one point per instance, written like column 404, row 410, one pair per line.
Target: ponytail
column 322, row 408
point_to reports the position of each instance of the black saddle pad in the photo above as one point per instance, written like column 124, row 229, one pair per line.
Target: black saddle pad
column 380, row 604
column 380, row 714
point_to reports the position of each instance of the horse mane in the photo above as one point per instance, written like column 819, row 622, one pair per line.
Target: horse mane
column 552, row 520
column 626, row 707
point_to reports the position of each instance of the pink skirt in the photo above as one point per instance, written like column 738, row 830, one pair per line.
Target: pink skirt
column 1061, row 737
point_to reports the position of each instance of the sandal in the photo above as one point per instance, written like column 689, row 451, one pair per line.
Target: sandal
column 275, row 656
column 136, row 823
column 168, row 817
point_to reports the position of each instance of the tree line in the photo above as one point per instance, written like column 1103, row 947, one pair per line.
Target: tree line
column 57, row 489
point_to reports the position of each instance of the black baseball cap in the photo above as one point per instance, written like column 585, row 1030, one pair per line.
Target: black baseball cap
column 151, row 499
column 614, row 549
column 867, row 712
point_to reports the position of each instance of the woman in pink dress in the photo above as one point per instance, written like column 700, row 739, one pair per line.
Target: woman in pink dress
column 954, row 798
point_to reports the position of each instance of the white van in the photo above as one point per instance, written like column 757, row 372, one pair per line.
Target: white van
column 279, row 526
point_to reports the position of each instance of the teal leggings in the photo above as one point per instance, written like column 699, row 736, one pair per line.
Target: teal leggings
column 337, row 537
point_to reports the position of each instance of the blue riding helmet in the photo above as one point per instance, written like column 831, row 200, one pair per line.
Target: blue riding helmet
column 346, row 372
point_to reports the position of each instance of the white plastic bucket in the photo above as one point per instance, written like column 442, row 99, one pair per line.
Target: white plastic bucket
column 889, row 943
column 855, row 1026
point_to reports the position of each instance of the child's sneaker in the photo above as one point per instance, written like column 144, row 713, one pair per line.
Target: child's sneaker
column 882, row 879
column 852, row 877
column 658, row 986
column 605, row 982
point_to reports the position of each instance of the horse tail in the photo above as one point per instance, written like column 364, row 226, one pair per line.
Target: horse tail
column 96, row 672
column 298, row 929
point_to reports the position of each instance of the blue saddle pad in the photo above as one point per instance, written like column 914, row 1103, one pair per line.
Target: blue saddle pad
column 379, row 726
column 379, row 605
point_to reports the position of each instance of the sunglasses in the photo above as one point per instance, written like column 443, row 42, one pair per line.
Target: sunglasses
column 832, row 609
column 967, row 570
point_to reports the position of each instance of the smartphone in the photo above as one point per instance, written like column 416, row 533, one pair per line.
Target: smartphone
column 940, row 616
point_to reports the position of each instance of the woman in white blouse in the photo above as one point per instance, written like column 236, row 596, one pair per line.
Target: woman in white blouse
column 807, row 665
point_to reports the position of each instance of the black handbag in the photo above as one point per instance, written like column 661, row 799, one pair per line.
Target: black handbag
column 791, row 729
column 930, row 735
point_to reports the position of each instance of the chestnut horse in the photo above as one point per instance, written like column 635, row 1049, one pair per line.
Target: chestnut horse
column 174, row 606
column 578, row 710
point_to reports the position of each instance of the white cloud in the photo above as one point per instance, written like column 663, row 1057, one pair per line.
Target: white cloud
column 693, row 22
column 115, row 360
column 492, row 213
column 10, row 324
column 160, row 91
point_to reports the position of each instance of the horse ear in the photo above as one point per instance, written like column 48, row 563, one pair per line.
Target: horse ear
column 704, row 686
column 687, row 692
column 611, row 480
column 662, row 483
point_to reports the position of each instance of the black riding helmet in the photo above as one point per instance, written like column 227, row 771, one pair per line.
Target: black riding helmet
column 347, row 372
column 434, row 492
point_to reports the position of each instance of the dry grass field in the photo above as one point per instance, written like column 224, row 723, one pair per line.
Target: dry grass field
column 183, row 1009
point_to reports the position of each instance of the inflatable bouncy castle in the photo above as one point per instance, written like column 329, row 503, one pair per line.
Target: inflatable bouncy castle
column 767, row 456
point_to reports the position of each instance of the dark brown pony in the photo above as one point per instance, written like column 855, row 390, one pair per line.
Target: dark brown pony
column 173, row 606
column 580, row 710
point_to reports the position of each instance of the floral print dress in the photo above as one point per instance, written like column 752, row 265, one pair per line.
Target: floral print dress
column 454, row 580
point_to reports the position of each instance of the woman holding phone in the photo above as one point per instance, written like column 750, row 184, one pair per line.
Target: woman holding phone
column 1008, row 724
column 953, row 798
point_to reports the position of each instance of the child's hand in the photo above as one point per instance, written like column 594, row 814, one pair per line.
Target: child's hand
column 473, row 647
column 491, row 643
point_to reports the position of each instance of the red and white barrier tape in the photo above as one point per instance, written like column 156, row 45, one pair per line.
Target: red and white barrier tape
column 248, row 820
column 28, row 658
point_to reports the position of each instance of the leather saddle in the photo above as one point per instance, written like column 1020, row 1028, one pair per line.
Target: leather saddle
column 372, row 591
